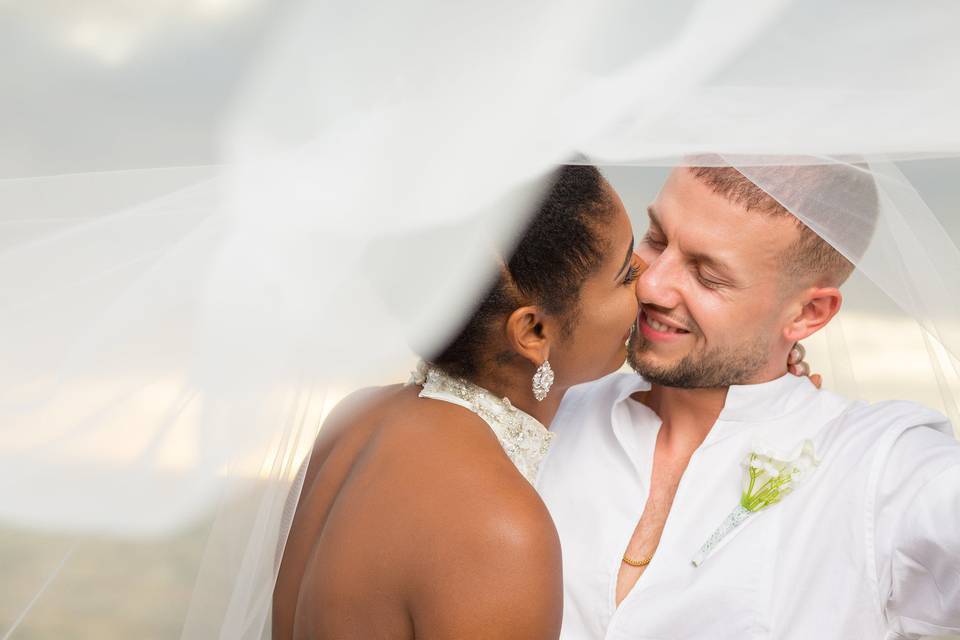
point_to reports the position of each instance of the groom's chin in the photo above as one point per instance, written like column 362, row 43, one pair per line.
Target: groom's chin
column 640, row 356
column 641, row 360
column 678, row 377
column 654, row 370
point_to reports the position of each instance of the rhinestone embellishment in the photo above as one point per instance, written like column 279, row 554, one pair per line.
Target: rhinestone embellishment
column 523, row 438
column 733, row 520
column 542, row 381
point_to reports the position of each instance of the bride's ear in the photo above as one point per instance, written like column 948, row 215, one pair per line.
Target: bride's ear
column 529, row 334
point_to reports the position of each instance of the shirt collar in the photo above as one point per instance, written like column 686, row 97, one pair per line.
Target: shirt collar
column 746, row 404
column 630, row 385
column 767, row 400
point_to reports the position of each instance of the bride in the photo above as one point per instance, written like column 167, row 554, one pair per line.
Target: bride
column 418, row 517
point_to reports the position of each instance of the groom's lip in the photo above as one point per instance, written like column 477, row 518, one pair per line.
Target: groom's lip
column 654, row 334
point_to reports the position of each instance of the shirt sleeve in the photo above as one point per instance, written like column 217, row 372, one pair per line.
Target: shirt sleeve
column 917, row 534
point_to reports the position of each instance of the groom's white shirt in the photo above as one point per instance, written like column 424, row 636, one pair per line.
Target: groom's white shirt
column 867, row 547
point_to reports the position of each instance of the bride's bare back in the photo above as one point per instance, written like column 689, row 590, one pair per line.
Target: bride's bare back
column 413, row 523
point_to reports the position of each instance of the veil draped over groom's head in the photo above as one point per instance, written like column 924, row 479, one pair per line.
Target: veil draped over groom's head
column 808, row 187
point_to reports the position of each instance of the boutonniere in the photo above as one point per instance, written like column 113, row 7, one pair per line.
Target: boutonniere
column 768, row 477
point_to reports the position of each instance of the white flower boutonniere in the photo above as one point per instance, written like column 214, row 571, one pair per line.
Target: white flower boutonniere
column 768, row 477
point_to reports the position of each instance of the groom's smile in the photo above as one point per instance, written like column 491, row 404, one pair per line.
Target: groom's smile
column 658, row 327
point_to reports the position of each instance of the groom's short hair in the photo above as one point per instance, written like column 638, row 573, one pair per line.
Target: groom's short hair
column 806, row 187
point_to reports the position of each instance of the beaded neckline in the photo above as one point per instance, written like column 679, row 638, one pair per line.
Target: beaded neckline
column 523, row 438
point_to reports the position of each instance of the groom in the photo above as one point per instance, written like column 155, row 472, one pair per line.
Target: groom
column 646, row 469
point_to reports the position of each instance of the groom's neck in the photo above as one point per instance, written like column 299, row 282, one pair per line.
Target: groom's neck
column 687, row 414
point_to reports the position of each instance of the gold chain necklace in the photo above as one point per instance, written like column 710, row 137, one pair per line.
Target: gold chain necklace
column 637, row 563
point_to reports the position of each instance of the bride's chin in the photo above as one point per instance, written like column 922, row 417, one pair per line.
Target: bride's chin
column 619, row 361
column 619, row 358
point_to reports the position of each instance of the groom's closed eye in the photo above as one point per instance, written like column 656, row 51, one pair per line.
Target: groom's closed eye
column 655, row 241
column 710, row 272
column 654, row 238
column 708, row 282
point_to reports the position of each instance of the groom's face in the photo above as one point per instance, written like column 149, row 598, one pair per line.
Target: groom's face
column 712, row 300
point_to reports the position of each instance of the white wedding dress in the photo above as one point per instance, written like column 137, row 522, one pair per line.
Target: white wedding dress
column 524, row 439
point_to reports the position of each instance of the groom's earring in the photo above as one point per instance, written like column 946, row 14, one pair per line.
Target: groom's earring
column 542, row 381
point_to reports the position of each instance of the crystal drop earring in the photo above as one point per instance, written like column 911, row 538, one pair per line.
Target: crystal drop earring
column 542, row 381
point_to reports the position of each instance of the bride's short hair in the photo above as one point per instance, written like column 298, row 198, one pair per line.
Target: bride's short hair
column 558, row 251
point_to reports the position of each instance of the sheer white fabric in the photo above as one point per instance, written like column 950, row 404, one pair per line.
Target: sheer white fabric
column 216, row 220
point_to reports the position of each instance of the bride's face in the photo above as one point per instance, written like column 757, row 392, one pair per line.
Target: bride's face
column 607, row 308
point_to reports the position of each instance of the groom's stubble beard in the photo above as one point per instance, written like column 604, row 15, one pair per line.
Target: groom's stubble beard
column 710, row 369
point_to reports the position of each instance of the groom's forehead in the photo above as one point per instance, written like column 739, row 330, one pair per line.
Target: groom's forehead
column 709, row 224
column 686, row 197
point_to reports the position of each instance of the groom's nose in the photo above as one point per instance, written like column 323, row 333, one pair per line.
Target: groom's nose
column 658, row 284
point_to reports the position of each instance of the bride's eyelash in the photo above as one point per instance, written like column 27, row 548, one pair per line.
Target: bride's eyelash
column 632, row 274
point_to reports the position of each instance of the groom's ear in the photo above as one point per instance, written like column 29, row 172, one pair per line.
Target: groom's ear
column 818, row 305
column 528, row 333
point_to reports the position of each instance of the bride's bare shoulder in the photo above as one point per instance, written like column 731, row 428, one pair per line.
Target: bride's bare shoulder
column 468, row 520
column 436, row 454
column 473, row 550
column 444, row 459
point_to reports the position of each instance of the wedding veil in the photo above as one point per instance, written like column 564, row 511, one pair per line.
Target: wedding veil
column 217, row 218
